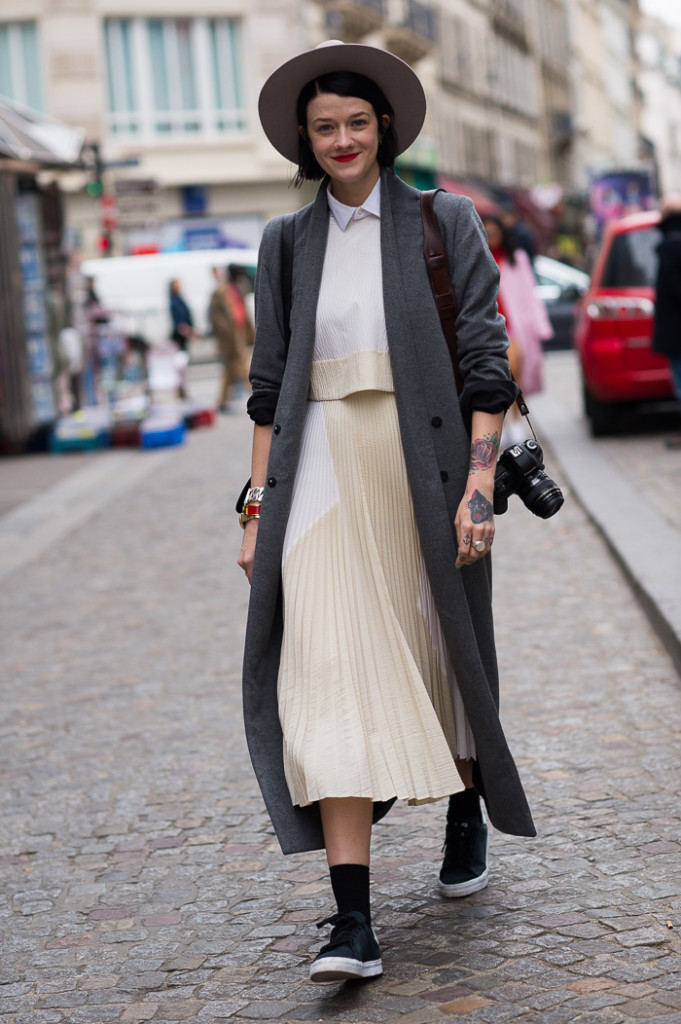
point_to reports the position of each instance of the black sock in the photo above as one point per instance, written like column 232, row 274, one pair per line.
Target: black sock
column 464, row 806
column 350, row 883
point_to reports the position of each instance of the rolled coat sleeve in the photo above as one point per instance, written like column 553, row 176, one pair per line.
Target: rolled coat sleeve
column 481, row 330
column 270, row 347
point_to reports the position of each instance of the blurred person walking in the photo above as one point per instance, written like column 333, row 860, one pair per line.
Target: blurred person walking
column 667, row 329
column 370, row 670
column 181, row 317
column 229, row 322
column 182, row 331
column 527, row 321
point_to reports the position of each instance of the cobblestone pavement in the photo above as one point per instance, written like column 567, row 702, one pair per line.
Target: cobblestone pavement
column 140, row 880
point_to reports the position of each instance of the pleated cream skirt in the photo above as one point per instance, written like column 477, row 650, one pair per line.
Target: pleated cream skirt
column 367, row 694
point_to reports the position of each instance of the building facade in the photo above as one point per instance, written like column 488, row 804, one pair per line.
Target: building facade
column 659, row 52
column 520, row 92
column 604, row 84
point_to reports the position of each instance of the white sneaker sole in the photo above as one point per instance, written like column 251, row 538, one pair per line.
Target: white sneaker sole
column 465, row 888
column 340, row 968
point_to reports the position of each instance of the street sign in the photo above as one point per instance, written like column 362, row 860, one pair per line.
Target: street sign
column 136, row 187
column 108, row 211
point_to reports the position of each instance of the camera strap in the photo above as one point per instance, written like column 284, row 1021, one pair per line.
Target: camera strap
column 441, row 284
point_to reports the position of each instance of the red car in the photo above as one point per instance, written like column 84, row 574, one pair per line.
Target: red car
column 615, row 325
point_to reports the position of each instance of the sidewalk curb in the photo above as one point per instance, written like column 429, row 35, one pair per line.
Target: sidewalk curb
column 621, row 516
column 31, row 528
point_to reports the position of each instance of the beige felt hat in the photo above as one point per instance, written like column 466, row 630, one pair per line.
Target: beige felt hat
column 398, row 83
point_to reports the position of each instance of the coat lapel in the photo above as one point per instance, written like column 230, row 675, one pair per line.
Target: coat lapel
column 308, row 265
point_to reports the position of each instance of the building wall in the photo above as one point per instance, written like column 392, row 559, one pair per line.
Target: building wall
column 659, row 50
column 519, row 91
column 604, row 75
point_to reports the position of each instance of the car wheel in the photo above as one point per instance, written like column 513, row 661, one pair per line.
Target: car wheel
column 603, row 416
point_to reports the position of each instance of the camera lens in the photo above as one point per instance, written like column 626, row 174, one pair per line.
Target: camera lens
column 547, row 499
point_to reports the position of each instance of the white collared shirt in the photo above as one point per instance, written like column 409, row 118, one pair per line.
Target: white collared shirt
column 343, row 214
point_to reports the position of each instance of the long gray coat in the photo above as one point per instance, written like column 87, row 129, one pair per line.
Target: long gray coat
column 436, row 450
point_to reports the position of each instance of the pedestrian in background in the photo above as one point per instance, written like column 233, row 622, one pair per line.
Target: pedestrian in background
column 181, row 317
column 527, row 321
column 370, row 671
column 667, row 330
column 222, row 326
column 182, row 332
column 237, row 339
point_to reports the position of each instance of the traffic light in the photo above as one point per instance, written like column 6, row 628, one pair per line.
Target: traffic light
column 95, row 187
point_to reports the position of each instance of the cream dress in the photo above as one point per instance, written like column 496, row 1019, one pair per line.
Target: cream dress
column 365, row 677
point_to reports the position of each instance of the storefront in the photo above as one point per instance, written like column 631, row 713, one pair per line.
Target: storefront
column 32, row 270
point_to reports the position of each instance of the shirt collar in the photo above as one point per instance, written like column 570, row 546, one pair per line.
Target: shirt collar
column 343, row 214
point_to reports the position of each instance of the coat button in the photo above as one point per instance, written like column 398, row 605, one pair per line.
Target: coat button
column 276, row 428
column 272, row 482
column 436, row 421
column 444, row 476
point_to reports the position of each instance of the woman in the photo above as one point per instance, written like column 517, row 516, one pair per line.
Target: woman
column 526, row 319
column 369, row 670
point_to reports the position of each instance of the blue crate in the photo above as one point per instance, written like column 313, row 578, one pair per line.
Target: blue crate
column 161, row 434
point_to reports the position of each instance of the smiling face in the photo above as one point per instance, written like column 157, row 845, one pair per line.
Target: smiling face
column 343, row 134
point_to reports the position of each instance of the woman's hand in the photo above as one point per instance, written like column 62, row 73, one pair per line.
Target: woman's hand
column 247, row 553
column 474, row 521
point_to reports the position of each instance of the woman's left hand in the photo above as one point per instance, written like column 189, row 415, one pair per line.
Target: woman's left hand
column 474, row 520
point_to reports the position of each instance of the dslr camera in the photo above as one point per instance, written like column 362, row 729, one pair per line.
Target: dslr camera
column 520, row 471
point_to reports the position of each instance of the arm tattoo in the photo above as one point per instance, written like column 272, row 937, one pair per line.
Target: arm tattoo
column 484, row 451
column 480, row 508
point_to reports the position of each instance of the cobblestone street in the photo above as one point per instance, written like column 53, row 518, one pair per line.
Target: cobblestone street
column 140, row 877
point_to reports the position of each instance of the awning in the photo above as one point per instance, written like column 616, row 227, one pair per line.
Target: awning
column 36, row 138
column 483, row 202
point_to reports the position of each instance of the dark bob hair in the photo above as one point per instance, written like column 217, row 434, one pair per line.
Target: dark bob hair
column 506, row 241
column 343, row 83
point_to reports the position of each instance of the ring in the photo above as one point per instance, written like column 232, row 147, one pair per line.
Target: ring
column 479, row 545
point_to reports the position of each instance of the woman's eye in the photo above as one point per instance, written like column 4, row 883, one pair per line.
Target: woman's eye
column 359, row 123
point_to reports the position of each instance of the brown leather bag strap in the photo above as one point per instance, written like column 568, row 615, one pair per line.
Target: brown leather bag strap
column 440, row 279
column 441, row 284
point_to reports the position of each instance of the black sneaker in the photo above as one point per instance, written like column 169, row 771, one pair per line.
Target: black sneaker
column 352, row 951
column 464, row 867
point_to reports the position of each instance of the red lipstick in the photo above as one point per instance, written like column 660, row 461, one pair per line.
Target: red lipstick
column 345, row 158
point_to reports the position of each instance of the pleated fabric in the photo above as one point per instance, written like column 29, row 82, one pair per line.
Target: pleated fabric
column 364, row 696
column 367, row 694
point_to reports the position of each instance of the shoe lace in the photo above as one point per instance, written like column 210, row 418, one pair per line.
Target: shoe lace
column 459, row 839
column 344, row 927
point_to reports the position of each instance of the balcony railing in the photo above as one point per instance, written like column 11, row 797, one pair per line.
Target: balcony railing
column 508, row 16
column 415, row 36
column 353, row 19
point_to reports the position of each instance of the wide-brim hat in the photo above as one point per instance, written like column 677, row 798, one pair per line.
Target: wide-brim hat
column 397, row 81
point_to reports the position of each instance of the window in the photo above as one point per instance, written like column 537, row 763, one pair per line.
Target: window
column 174, row 76
column 632, row 262
column 19, row 64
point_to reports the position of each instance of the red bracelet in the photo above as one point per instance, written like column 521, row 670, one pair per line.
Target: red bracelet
column 253, row 509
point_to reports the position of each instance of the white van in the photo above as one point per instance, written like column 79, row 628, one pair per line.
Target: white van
column 135, row 289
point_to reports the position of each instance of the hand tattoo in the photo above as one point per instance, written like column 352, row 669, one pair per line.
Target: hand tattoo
column 484, row 451
column 480, row 508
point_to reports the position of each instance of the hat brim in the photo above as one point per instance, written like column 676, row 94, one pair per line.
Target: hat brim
column 397, row 81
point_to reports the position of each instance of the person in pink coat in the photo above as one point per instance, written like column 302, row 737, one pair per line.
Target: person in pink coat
column 526, row 318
